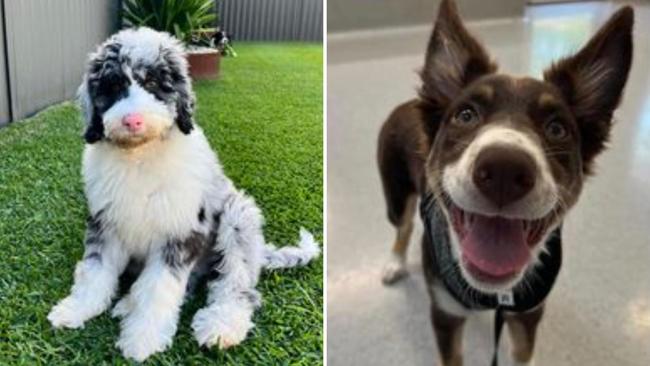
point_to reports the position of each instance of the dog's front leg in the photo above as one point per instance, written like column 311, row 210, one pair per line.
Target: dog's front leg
column 523, row 328
column 150, row 311
column 448, row 329
column 232, row 297
column 95, row 278
column 227, row 318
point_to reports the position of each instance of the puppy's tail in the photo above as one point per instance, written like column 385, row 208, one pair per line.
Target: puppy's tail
column 292, row 256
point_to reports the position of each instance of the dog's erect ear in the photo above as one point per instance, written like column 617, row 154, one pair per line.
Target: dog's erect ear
column 593, row 79
column 453, row 59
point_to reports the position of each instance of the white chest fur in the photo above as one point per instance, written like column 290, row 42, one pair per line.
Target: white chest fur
column 152, row 193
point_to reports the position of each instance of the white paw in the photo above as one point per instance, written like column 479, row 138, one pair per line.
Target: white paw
column 68, row 313
column 394, row 271
column 140, row 338
column 140, row 349
column 122, row 308
column 223, row 325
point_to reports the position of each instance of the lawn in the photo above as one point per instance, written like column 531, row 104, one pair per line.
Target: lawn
column 264, row 118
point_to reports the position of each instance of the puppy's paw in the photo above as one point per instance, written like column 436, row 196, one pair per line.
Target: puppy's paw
column 394, row 271
column 68, row 313
column 122, row 308
column 139, row 350
column 142, row 338
column 223, row 325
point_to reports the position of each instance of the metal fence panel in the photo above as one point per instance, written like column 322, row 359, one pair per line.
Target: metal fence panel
column 5, row 112
column 273, row 20
column 47, row 46
column 44, row 43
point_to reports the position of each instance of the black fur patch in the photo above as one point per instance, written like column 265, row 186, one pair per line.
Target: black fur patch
column 95, row 229
column 130, row 275
column 178, row 253
column 216, row 221
column 95, row 130
column 213, row 263
column 214, row 257
column 157, row 80
column 202, row 214
column 208, row 266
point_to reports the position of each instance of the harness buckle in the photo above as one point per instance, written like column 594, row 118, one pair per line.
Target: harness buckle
column 506, row 298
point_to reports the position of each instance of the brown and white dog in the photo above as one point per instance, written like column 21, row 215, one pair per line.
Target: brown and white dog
column 503, row 158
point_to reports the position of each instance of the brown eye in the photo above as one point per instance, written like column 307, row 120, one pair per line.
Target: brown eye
column 466, row 116
column 555, row 131
column 150, row 84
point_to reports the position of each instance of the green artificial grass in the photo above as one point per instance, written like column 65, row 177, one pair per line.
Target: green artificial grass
column 264, row 118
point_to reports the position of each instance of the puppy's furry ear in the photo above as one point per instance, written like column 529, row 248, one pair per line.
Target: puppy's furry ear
column 593, row 79
column 185, row 111
column 104, row 61
column 453, row 59
column 183, row 85
column 94, row 125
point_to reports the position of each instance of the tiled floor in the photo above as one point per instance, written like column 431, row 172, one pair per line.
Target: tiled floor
column 599, row 312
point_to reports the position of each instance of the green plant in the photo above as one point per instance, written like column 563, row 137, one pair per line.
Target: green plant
column 191, row 21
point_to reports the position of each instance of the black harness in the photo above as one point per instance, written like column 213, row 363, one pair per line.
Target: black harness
column 529, row 294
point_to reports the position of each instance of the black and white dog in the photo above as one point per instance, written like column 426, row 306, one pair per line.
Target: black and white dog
column 159, row 200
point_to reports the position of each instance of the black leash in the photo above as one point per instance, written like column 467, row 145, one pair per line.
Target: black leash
column 521, row 299
column 498, row 327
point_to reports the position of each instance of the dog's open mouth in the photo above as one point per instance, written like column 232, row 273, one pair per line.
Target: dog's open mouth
column 495, row 249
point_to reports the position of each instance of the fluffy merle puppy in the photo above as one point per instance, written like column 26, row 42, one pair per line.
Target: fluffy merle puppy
column 158, row 198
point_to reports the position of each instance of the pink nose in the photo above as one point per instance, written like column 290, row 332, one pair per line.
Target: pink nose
column 133, row 121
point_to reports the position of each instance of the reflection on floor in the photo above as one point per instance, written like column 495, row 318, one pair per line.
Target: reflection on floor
column 599, row 312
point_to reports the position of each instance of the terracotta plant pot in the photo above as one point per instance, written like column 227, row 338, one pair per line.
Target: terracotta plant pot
column 204, row 63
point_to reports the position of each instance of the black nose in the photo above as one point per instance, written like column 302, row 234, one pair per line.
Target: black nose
column 504, row 175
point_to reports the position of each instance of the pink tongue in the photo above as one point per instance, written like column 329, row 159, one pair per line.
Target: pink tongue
column 496, row 245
